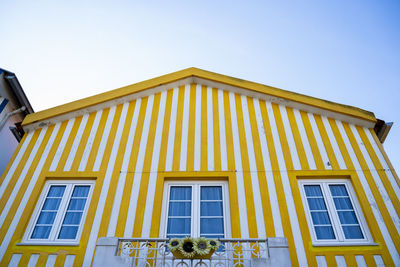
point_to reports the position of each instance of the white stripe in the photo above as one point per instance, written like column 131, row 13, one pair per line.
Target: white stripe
column 379, row 261
column 289, row 137
column 222, row 132
column 185, row 128
column 172, row 128
column 104, row 189
column 360, row 261
column 148, row 210
column 18, row 215
column 304, row 139
column 122, row 176
column 14, row 165
column 197, row 129
column 383, row 162
column 22, row 177
column 75, row 145
column 335, row 146
column 321, row 261
column 61, row 146
column 138, row 170
column 104, row 139
column 244, row 228
column 377, row 180
column 298, row 240
column 340, row 261
column 51, row 260
column 33, row 260
column 15, row 260
column 89, row 142
column 320, row 143
column 370, row 196
column 276, row 215
column 69, row 261
column 210, row 131
column 253, row 168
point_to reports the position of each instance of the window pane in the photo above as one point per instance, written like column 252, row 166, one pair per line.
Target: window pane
column 81, row 191
column 353, row 232
column 51, row 204
column 316, row 203
column 343, row 203
column 347, row 217
column 338, row 190
column 73, row 218
column 320, row 218
column 68, row 232
column 211, row 193
column 324, row 232
column 211, row 209
column 46, row 217
column 313, row 190
column 41, row 232
column 211, row 226
column 179, row 209
column 77, row 204
column 181, row 193
column 178, row 226
column 56, row 191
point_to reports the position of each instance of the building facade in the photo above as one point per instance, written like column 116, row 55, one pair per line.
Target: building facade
column 201, row 154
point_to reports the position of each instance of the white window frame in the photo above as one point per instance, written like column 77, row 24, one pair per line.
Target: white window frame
column 58, row 221
column 333, row 216
column 195, row 207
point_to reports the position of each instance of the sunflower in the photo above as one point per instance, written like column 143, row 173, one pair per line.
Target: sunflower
column 174, row 244
column 214, row 244
column 187, row 247
column 202, row 246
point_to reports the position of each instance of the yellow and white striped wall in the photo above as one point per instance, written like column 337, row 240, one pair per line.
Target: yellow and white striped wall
column 194, row 131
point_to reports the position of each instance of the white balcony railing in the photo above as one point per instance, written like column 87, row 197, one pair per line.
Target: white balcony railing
column 151, row 252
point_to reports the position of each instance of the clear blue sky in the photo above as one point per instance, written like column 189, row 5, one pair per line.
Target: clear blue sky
column 343, row 51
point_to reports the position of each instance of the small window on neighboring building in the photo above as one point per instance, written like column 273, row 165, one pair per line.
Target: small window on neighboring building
column 333, row 213
column 60, row 212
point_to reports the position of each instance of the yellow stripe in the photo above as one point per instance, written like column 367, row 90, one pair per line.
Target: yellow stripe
column 42, row 259
column 203, row 144
column 327, row 143
column 251, row 213
column 82, row 143
column 123, row 212
column 217, row 140
column 158, row 196
column 68, row 145
column 234, row 205
column 330, row 260
column 178, row 129
column 350, row 260
column 287, row 229
column 191, row 125
column 24, row 260
column 60, row 261
column 97, row 139
column 262, row 180
column 141, row 202
column 297, row 140
column 313, row 143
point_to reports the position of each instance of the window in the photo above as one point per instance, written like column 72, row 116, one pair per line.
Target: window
column 195, row 209
column 60, row 213
column 333, row 213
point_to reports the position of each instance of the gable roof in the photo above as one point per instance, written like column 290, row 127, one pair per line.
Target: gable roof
column 195, row 75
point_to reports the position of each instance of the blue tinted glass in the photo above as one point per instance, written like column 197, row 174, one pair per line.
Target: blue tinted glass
column 347, row 217
column 320, row 218
column 181, row 193
column 178, row 226
column 352, row 232
column 41, row 232
column 51, row 204
column 77, row 204
column 56, row 191
column 73, row 218
column 46, row 217
column 81, row 191
column 211, row 193
column 211, row 209
column 179, row 209
column 316, row 203
column 343, row 203
column 313, row 190
column 324, row 232
column 68, row 232
column 338, row 190
column 211, row 226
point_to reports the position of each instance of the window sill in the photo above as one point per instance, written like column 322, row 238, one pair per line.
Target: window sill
column 48, row 243
column 344, row 244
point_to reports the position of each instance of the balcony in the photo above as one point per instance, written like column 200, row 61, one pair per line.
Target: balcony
column 151, row 252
